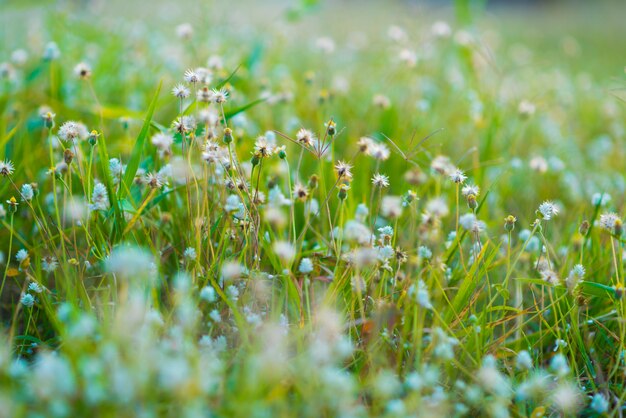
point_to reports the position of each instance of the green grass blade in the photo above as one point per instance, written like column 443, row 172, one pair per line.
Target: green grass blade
column 119, row 221
column 135, row 157
column 243, row 108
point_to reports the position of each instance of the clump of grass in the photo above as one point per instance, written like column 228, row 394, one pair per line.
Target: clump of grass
column 308, row 241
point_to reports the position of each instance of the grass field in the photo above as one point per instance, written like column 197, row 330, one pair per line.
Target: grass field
column 312, row 209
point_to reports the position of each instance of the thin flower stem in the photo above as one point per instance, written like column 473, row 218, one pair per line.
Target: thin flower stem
column 615, row 264
column 6, row 267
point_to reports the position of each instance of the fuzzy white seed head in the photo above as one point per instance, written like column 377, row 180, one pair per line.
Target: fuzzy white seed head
column 547, row 210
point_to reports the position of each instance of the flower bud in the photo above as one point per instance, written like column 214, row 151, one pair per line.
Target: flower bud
column 343, row 191
column 509, row 223
column 331, row 128
column 68, row 156
column 93, row 137
column 12, row 204
column 228, row 135
column 471, row 201
column 584, row 228
column 48, row 119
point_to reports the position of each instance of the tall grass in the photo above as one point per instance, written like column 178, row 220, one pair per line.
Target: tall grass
column 206, row 220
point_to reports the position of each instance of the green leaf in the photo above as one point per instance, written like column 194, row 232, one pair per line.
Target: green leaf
column 255, row 56
column 470, row 283
column 119, row 221
column 227, row 79
column 135, row 157
column 7, row 137
column 530, row 280
column 596, row 289
column 243, row 108
column 158, row 126
column 160, row 197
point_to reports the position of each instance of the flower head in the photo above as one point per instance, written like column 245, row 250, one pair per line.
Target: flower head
column 51, row 52
column 162, row 141
column 12, row 202
column 612, row 223
column 180, row 91
column 154, row 180
column 470, row 189
column 523, row 360
column 21, row 255
column 420, row 294
column 599, row 403
column 305, row 137
column 27, row 192
column 71, row 131
column 306, row 266
column 509, row 223
column 27, row 300
column 190, row 253
column 191, row 76
column 48, row 117
column 526, row 109
column 343, row 170
column 49, row 264
column 458, row 176
column 6, row 168
column 35, row 287
column 550, row 276
column 204, row 95
column 378, row 151
column 82, row 70
column 547, row 210
column 575, row 275
column 380, row 180
column 300, row 192
column 262, row 148
column 220, row 96
column 184, row 124
column 99, row 197
column 424, row 252
column 284, row 250
column 184, row 31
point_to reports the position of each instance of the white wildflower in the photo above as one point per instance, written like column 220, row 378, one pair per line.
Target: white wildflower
column 547, row 210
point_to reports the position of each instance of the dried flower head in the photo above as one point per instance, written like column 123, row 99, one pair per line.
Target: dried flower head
column 204, row 95
column 300, row 192
column 6, row 168
column 184, row 124
column 547, row 210
column 82, row 70
column 262, row 148
column 191, row 76
column 458, row 176
column 184, row 31
column 380, row 180
column 162, row 141
column 305, row 137
column 220, row 96
column 153, row 180
column 181, row 91
column 71, row 131
column 470, row 189
column 612, row 223
column 343, row 170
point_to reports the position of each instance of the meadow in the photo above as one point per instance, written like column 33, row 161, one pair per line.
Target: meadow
column 312, row 209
